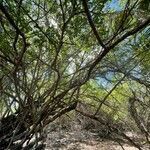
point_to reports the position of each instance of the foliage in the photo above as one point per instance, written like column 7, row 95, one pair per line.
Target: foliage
column 56, row 55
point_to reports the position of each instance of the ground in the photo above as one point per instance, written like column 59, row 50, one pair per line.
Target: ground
column 81, row 140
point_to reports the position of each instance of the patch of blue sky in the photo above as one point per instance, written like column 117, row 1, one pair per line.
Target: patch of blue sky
column 105, row 80
column 113, row 5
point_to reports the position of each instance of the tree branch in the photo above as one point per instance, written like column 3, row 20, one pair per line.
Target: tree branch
column 18, row 31
column 131, row 32
column 89, row 17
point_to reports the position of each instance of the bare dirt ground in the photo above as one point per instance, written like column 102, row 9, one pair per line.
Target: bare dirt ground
column 81, row 140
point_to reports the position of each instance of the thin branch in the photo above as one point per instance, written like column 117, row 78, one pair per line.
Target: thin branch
column 90, row 20
column 131, row 32
column 106, row 51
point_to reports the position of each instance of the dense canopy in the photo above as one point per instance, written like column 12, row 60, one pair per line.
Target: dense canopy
column 56, row 55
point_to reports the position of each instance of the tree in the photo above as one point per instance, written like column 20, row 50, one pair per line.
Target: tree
column 51, row 51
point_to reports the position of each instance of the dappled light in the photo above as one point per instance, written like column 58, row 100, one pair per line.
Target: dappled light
column 74, row 74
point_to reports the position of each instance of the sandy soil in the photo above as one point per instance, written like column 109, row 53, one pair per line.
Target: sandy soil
column 75, row 140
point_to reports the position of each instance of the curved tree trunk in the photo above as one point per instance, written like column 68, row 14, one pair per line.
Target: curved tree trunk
column 134, row 114
column 14, row 133
column 20, row 131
